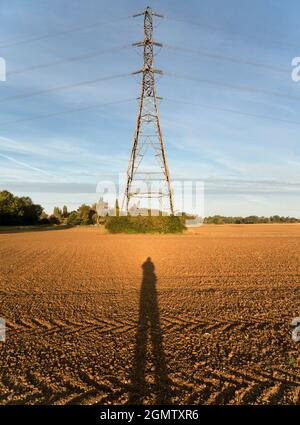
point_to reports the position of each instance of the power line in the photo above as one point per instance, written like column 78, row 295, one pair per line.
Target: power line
column 226, row 58
column 58, row 33
column 67, row 60
column 234, row 111
column 166, row 99
column 59, row 88
column 204, row 106
column 171, row 47
column 249, row 36
column 233, row 86
column 53, row 114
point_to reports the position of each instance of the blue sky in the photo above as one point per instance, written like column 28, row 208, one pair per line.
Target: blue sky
column 249, row 163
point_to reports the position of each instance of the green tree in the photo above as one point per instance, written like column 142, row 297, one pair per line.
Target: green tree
column 251, row 219
column 65, row 212
column 73, row 219
column 85, row 214
column 18, row 211
column 57, row 212
column 44, row 218
column 117, row 208
column 7, row 208
column 53, row 219
column 95, row 218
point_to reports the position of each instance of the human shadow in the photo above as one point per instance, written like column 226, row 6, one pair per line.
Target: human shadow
column 149, row 328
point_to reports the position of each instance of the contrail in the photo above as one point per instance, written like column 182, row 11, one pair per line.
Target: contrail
column 23, row 164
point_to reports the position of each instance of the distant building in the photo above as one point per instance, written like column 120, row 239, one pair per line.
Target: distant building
column 102, row 208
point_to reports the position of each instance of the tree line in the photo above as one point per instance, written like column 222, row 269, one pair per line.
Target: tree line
column 84, row 215
column 16, row 210
column 22, row 211
column 251, row 219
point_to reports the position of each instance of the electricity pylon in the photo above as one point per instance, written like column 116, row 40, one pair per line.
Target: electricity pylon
column 148, row 135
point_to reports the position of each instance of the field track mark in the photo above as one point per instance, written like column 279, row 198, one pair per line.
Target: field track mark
column 197, row 396
column 41, row 327
column 179, row 324
column 219, row 387
column 40, row 383
column 17, row 391
column 287, row 374
column 215, row 387
column 37, row 390
column 273, row 394
column 250, row 393
column 273, row 378
column 269, row 392
column 110, row 389
column 250, row 376
column 296, row 395
column 223, row 395
column 227, row 377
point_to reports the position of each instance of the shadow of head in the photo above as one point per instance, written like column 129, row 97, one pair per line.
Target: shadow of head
column 148, row 268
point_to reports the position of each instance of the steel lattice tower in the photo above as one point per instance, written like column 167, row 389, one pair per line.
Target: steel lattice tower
column 148, row 134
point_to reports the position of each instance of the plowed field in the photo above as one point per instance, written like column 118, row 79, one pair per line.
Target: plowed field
column 203, row 317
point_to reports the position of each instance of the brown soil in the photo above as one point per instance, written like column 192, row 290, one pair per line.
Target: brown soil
column 206, row 321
